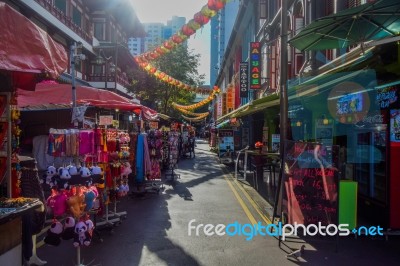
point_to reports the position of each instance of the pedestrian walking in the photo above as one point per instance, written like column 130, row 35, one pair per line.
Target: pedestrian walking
column 192, row 144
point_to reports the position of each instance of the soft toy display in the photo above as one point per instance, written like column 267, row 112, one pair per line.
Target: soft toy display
column 57, row 202
column 49, row 176
column 76, row 202
column 96, row 170
column 82, row 236
column 90, row 228
column 126, row 170
column 90, row 196
column 64, row 177
column 85, row 175
column 73, row 170
column 69, row 227
column 53, row 236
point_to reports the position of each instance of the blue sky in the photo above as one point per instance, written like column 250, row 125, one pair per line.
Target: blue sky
column 163, row 10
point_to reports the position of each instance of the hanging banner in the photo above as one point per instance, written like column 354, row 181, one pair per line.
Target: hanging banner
column 224, row 110
column 106, row 120
column 255, row 65
column 230, row 96
column 244, row 79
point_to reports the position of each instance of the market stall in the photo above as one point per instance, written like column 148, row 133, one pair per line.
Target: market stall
column 28, row 54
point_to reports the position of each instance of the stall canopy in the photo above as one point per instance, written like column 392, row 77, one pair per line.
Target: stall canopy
column 59, row 96
column 26, row 50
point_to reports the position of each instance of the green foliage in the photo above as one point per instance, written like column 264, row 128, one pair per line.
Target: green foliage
column 181, row 64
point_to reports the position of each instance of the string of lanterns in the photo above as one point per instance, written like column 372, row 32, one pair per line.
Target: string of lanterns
column 162, row 76
column 200, row 19
column 194, row 119
column 215, row 91
column 189, row 112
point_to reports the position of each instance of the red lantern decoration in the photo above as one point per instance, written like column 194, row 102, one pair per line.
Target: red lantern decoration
column 187, row 30
column 176, row 39
column 153, row 70
column 169, row 45
column 201, row 19
column 215, row 4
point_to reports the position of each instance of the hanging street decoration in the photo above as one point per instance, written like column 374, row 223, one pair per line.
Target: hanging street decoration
column 194, row 119
column 189, row 112
column 215, row 91
column 162, row 76
column 200, row 19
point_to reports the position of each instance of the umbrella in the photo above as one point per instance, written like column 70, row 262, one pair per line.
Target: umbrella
column 371, row 21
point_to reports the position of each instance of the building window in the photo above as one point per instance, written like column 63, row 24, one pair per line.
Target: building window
column 263, row 9
column 61, row 5
column 99, row 31
column 353, row 3
column 76, row 16
column 329, row 7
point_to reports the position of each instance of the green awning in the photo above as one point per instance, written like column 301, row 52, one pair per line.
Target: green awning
column 371, row 21
column 259, row 105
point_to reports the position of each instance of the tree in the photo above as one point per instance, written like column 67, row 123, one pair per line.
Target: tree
column 181, row 64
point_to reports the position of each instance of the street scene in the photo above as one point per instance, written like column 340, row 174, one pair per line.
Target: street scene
column 199, row 132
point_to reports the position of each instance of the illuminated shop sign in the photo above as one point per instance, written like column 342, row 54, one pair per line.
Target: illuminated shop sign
column 244, row 79
column 255, row 65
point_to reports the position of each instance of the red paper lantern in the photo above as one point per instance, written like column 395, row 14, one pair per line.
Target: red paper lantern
column 169, row 45
column 201, row 19
column 215, row 4
column 176, row 39
column 187, row 30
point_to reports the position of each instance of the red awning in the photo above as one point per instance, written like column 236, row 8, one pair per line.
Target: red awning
column 56, row 96
column 26, row 48
column 49, row 96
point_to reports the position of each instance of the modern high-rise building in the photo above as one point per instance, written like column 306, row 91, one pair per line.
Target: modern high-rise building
column 221, row 29
column 156, row 33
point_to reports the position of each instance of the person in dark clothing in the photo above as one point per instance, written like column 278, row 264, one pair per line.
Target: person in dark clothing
column 192, row 144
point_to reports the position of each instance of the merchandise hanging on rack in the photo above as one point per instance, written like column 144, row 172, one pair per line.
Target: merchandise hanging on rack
column 173, row 154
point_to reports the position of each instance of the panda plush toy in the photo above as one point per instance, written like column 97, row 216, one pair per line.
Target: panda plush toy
column 82, row 236
column 63, row 178
column 85, row 175
column 53, row 236
column 49, row 177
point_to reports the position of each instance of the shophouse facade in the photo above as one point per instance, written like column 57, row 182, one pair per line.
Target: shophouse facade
column 345, row 97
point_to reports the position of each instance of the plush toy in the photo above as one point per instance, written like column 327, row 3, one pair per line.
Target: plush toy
column 49, row 177
column 72, row 169
column 53, row 236
column 90, row 196
column 90, row 226
column 69, row 227
column 64, row 176
column 84, row 171
column 126, row 170
column 57, row 202
column 76, row 203
column 96, row 170
column 82, row 236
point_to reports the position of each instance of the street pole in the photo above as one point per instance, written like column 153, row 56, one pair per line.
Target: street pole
column 72, row 61
column 106, row 73
column 283, row 107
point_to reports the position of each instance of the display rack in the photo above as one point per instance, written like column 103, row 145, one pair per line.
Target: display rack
column 173, row 154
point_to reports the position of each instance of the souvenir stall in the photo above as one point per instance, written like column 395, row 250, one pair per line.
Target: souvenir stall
column 91, row 165
column 32, row 56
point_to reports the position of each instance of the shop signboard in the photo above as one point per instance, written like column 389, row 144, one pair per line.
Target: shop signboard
column 275, row 142
column 225, row 143
column 311, row 183
column 106, row 120
column 153, row 125
column 395, row 125
column 244, row 79
column 255, row 65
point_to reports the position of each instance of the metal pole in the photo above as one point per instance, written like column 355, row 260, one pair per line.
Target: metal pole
column 283, row 103
column 106, row 73
column 72, row 60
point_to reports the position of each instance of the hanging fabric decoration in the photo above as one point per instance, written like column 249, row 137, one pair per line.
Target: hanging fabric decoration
column 161, row 76
column 189, row 112
column 215, row 91
column 194, row 119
